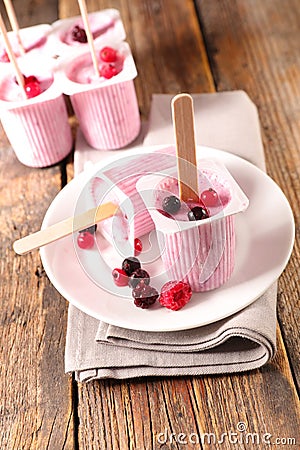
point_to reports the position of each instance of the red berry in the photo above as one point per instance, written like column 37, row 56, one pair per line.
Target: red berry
column 108, row 54
column 108, row 71
column 5, row 57
column 138, row 246
column 120, row 277
column 85, row 240
column 175, row 294
column 31, row 79
column 210, row 197
column 32, row 89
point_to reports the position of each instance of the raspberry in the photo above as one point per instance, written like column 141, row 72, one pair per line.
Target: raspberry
column 120, row 277
column 130, row 265
column 140, row 276
column 175, row 294
column 144, row 296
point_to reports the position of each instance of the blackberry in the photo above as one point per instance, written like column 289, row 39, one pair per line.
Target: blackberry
column 171, row 204
column 197, row 213
column 144, row 296
column 79, row 35
column 139, row 276
column 130, row 265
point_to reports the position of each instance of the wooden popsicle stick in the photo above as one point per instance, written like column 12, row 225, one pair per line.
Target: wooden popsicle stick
column 14, row 23
column 183, row 121
column 84, row 15
column 64, row 228
column 11, row 55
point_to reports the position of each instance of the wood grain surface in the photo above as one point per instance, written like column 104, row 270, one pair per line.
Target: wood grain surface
column 188, row 46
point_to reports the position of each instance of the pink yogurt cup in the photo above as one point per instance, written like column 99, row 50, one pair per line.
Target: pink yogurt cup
column 202, row 252
column 37, row 128
column 107, row 109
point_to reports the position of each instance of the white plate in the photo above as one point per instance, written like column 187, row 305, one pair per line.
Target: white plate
column 264, row 241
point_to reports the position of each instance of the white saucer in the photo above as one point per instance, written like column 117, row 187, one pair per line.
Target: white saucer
column 264, row 241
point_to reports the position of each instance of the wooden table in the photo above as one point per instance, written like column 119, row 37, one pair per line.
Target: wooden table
column 178, row 45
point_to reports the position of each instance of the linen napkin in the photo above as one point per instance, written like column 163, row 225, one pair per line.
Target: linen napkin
column 245, row 340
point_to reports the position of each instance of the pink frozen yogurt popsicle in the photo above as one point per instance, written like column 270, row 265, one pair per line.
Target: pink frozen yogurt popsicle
column 200, row 252
column 37, row 127
column 106, row 106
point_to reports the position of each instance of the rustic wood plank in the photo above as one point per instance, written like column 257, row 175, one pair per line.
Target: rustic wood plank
column 257, row 49
column 36, row 396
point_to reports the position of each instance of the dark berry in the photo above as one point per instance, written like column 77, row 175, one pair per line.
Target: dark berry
column 108, row 71
column 108, row 54
column 171, row 204
column 144, row 296
column 91, row 229
column 140, row 276
column 210, row 197
column 175, row 294
column 197, row 213
column 85, row 240
column 138, row 246
column 120, row 277
column 130, row 265
column 79, row 35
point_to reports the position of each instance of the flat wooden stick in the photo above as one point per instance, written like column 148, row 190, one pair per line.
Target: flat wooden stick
column 11, row 55
column 84, row 15
column 14, row 23
column 64, row 228
column 183, row 121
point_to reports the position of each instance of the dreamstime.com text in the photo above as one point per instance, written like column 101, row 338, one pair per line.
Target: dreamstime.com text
column 239, row 436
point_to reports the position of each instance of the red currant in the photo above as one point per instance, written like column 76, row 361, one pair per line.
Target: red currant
column 31, row 79
column 85, row 240
column 108, row 71
column 32, row 89
column 5, row 57
column 120, row 277
column 108, row 54
column 210, row 197
column 138, row 246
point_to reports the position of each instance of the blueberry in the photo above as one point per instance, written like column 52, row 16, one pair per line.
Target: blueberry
column 130, row 265
column 171, row 204
column 91, row 229
column 197, row 213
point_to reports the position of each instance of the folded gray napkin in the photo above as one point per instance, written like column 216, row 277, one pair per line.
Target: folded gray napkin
column 244, row 341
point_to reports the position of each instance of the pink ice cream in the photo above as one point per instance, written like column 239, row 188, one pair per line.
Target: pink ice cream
column 199, row 252
column 38, row 127
column 34, row 40
column 106, row 107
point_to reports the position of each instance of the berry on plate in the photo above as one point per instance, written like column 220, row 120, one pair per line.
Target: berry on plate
column 139, row 276
column 130, row 265
column 144, row 296
column 138, row 246
column 120, row 277
column 85, row 240
column 175, row 294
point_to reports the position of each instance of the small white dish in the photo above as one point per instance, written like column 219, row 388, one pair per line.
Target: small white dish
column 264, row 241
